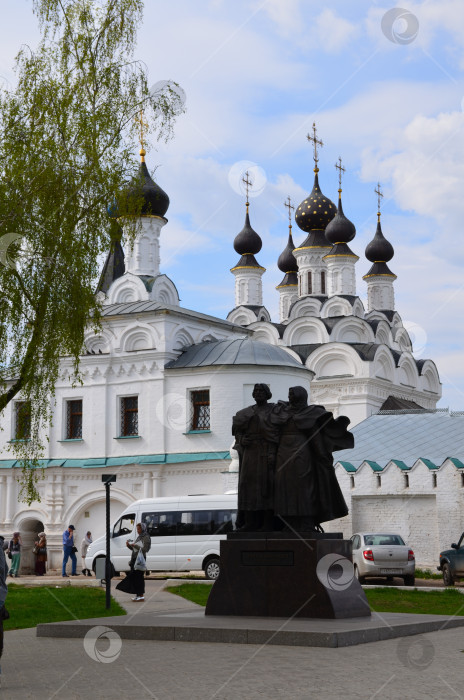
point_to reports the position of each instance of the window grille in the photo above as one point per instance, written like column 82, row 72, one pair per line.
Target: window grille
column 22, row 420
column 74, row 419
column 200, row 410
column 130, row 415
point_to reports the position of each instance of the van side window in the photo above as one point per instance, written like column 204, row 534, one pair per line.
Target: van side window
column 124, row 525
column 224, row 521
column 206, row 522
column 161, row 524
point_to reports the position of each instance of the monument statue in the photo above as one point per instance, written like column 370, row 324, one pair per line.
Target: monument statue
column 306, row 490
column 286, row 463
column 256, row 440
column 287, row 482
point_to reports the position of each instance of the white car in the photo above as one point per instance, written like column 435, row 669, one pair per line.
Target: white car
column 382, row 554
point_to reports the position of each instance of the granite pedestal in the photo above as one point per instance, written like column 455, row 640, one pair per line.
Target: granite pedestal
column 287, row 575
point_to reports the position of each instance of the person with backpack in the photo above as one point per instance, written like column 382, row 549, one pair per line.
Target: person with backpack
column 135, row 580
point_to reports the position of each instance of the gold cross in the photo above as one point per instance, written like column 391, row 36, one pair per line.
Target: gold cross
column 341, row 170
column 143, row 126
column 248, row 183
column 289, row 206
column 379, row 194
column 316, row 142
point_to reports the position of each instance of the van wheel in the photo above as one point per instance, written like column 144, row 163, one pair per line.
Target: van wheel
column 212, row 569
column 409, row 580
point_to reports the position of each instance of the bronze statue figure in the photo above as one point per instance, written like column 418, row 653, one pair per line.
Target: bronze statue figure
column 286, row 463
column 256, row 442
column 306, row 490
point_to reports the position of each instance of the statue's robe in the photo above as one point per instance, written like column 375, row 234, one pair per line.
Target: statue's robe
column 305, row 484
column 256, row 443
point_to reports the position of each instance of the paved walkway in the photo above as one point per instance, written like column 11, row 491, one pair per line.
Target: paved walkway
column 420, row 667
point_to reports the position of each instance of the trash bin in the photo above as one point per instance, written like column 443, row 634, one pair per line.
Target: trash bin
column 100, row 568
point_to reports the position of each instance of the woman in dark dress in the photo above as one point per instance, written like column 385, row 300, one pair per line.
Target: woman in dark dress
column 41, row 556
column 135, row 579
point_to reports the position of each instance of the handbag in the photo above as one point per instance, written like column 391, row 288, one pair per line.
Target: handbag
column 35, row 550
column 10, row 556
column 74, row 549
column 140, row 563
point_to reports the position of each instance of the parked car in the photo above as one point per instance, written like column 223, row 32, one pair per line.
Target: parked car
column 452, row 562
column 382, row 554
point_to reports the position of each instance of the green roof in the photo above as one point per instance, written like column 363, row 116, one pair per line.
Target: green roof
column 400, row 464
column 428, row 463
column 348, row 466
column 457, row 462
column 102, row 462
column 374, row 466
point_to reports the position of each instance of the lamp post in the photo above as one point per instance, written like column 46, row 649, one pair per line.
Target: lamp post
column 108, row 479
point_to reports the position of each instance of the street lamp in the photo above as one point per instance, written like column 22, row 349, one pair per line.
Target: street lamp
column 108, row 479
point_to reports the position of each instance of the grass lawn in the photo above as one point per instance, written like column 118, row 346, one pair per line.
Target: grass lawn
column 30, row 606
column 447, row 602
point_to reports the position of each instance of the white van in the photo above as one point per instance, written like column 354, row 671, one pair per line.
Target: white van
column 185, row 533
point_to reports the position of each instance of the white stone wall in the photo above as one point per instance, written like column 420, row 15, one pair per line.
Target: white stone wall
column 380, row 293
column 428, row 517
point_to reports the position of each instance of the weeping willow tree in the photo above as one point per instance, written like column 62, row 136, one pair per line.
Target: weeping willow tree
column 67, row 132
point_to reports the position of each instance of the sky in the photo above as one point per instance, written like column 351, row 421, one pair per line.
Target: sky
column 384, row 84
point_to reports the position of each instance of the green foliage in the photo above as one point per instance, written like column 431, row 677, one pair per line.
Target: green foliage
column 441, row 602
column 29, row 607
column 195, row 592
column 67, row 132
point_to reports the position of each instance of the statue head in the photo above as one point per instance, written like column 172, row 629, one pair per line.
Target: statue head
column 298, row 396
column 261, row 393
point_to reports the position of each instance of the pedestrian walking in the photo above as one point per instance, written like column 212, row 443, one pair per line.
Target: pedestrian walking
column 3, row 591
column 135, row 580
column 40, row 550
column 14, row 549
column 69, row 550
column 86, row 542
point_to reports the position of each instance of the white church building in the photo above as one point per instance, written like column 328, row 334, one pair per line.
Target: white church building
column 161, row 383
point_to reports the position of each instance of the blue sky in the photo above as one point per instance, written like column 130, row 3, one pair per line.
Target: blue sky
column 386, row 98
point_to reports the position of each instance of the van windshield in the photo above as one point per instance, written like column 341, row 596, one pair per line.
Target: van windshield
column 124, row 526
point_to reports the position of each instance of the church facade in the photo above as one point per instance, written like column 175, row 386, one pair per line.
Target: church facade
column 161, row 383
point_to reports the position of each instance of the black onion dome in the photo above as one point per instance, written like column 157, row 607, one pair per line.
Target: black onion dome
column 247, row 242
column 379, row 249
column 316, row 210
column 340, row 229
column 287, row 261
column 156, row 201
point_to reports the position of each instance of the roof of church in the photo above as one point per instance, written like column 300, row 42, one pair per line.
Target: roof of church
column 340, row 229
column 236, row 351
column 139, row 307
column 407, row 437
column 315, row 211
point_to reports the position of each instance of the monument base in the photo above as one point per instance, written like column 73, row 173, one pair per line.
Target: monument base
column 283, row 575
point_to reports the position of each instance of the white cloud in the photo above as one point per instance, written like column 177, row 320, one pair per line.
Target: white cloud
column 332, row 32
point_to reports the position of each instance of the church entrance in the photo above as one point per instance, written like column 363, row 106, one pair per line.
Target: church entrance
column 29, row 529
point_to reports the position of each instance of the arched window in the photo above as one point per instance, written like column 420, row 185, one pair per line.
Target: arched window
column 310, row 283
column 323, row 282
